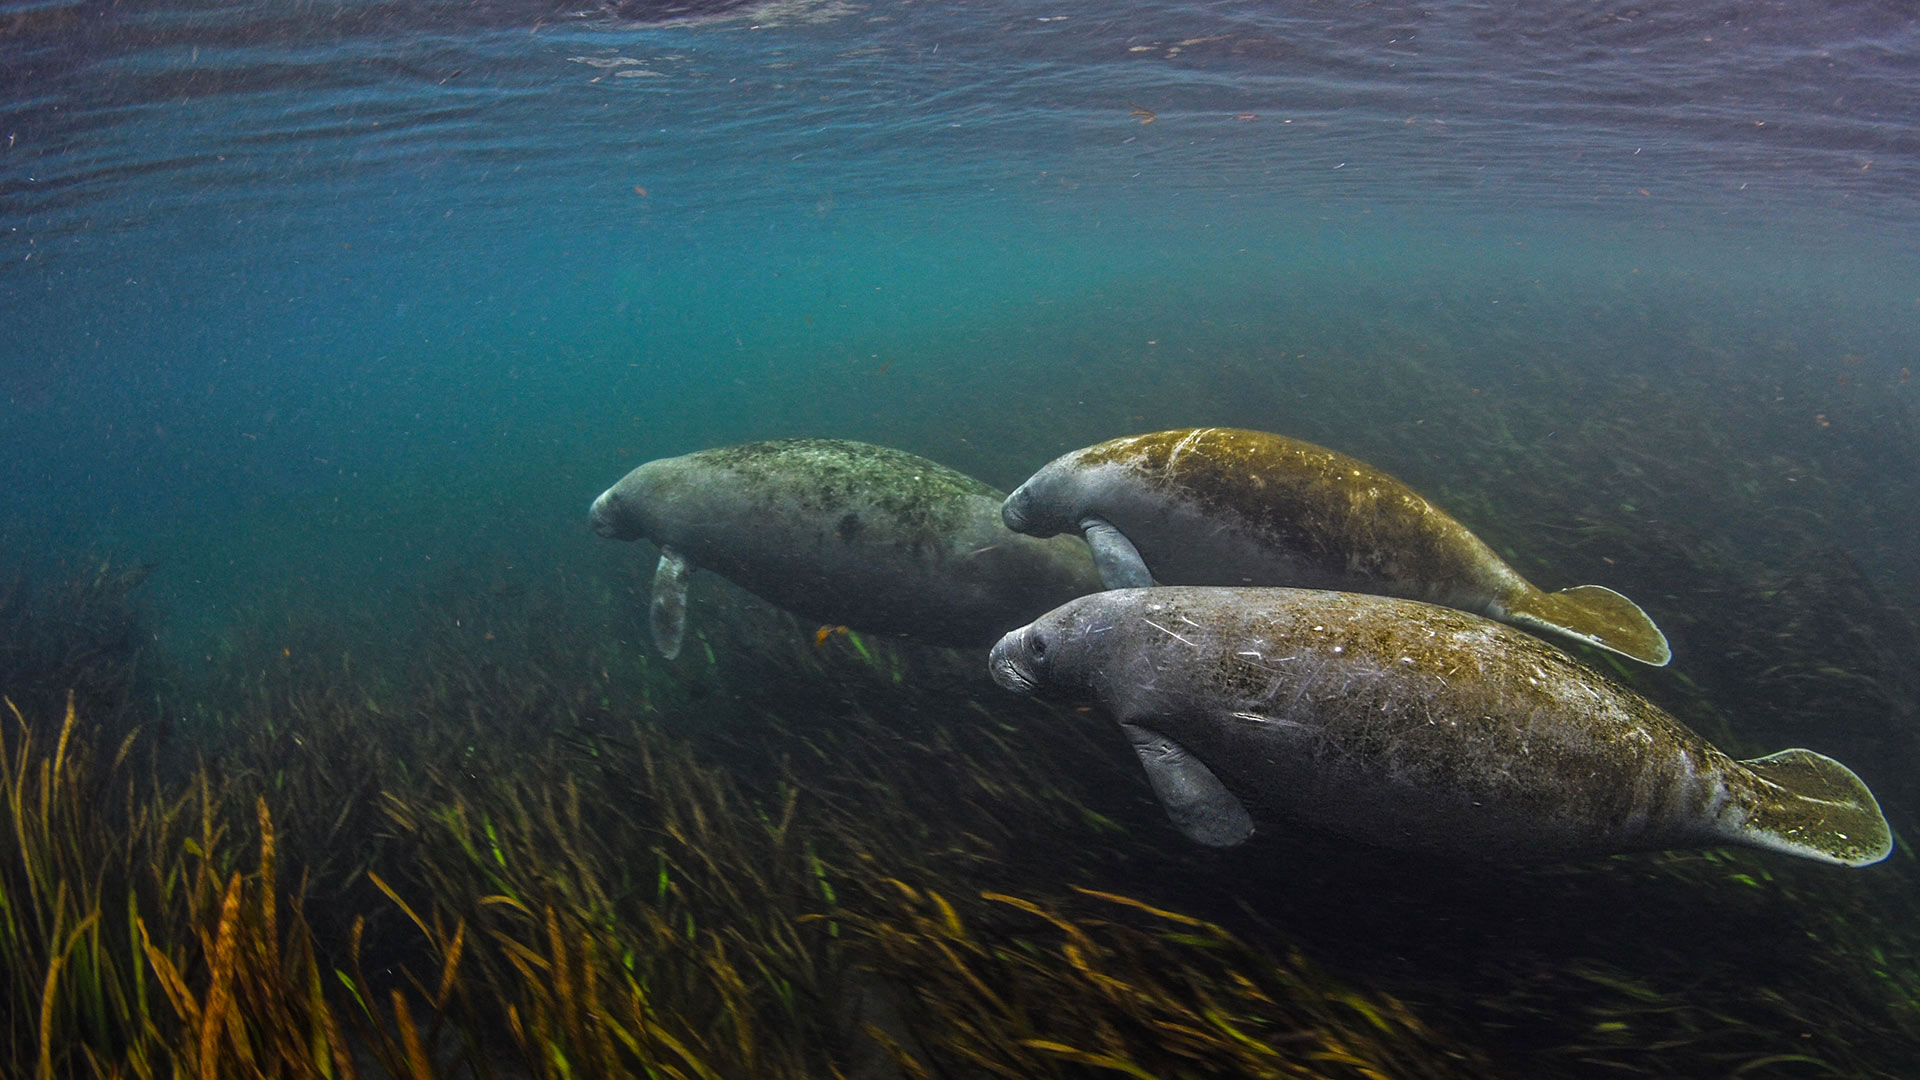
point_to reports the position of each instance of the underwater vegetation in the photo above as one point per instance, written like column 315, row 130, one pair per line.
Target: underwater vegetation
column 525, row 854
column 608, row 905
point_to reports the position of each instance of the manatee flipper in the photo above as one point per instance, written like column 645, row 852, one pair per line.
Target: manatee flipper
column 1596, row 615
column 1118, row 561
column 668, row 612
column 1810, row 805
column 1199, row 804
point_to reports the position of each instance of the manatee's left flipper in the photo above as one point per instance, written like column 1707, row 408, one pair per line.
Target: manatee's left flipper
column 1596, row 615
column 1118, row 561
column 1199, row 804
column 1810, row 805
column 668, row 612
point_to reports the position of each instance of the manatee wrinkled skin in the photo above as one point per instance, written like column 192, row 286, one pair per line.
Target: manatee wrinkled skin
column 1413, row 726
column 1225, row 506
column 842, row 532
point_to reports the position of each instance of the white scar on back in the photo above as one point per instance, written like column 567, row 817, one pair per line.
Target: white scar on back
column 1184, row 445
column 1167, row 632
column 1256, row 718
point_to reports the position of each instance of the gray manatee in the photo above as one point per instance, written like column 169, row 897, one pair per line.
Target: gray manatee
column 1413, row 726
column 842, row 532
column 1222, row 506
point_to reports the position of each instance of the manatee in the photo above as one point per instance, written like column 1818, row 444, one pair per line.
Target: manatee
column 1221, row 506
column 843, row 532
column 1413, row 726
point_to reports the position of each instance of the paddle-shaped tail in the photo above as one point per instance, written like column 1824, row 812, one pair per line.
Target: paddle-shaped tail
column 1598, row 616
column 1809, row 805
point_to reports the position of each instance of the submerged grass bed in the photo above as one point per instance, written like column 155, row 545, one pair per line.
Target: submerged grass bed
column 857, row 869
column 607, row 908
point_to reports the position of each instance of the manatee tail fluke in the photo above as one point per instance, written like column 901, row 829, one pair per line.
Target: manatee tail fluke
column 1598, row 616
column 1810, row 805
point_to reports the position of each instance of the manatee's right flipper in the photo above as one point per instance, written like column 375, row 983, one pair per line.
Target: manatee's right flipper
column 1199, row 804
column 668, row 612
column 1598, row 616
column 1118, row 561
column 1810, row 805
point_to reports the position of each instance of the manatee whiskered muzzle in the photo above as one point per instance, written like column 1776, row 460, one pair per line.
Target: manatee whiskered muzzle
column 1013, row 512
column 605, row 517
column 1007, row 665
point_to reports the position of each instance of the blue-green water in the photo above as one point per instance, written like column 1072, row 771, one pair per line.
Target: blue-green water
column 296, row 427
column 395, row 283
column 317, row 305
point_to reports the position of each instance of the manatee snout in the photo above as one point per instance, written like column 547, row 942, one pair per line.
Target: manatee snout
column 1016, row 512
column 1034, row 660
column 1047, row 504
column 1010, row 662
column 607, row 519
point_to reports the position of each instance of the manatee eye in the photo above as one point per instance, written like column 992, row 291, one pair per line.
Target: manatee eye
column 1037, row 645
